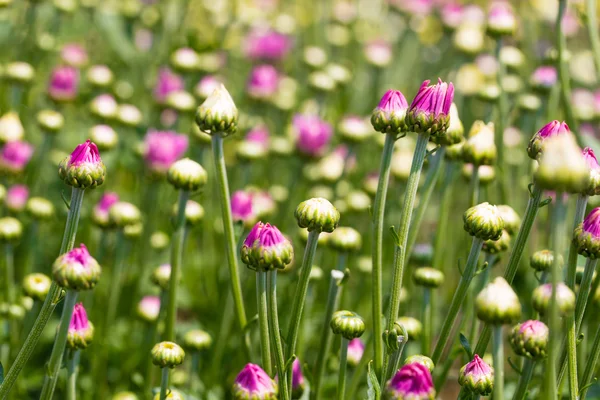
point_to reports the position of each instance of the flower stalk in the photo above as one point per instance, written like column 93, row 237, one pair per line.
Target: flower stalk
column 343, row 367
column 263, row 320
column 275, row 335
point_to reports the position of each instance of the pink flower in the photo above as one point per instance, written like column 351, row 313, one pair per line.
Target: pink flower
column 166, row 83
column 356, row 348
column 378, row 52
column 259, row 135
column 297, row 377
column 393, row 101
column 263, row 81
column 14, row 156
column 267, row 45
column 434, row 100
column 452, row 15
column 591, row 223
column 101, row 209
column 253, row 382
column 206, row 86
column 63, row 84
column 79, row 256
column 241, row 206
column 312, row 134
column 553, row 128
column 534, row 327
column 81, row 330
column 591, row 159
column 411, row 381
column 478, row 368
column 544, row 77
column 16, row 197
column 149, row 307
column 79, row 321
column 501, row 18
column 477, row 377
column 85, row 153
column 163, row 149
column 254, row 234
column 74, row 55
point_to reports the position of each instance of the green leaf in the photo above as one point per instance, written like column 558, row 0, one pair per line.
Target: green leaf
column 466, row 346
column 62, row 194
column 374, row 392
column 514, row 366
column 588, row 385
column 289, row 363
column 251, row 323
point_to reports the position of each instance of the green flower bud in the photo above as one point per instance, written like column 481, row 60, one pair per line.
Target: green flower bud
column 428, row 277
column 186, row 174
column 497, row 303
column 185, row 60
column 512, row 221
column 317, row 214
column 10, row 230
column 530, row 339
column 2, row 193
column 422, row 254
column 159, row 240
column 11, row 128
column 542, row 260
column 586, row 237
column 480, row 149
column 167, row 355
column 161, row 276
column 126, row 396
column 484, row 222
column 316, row 273
column 133, row 231
column 99, row 76
column 36, row 285
column 477, row 377
column 129, row 115
column 76, row 270
column 562, row 167
column 529, row 102
column 81, row 331
column 84, row 168
column 497, row 246
column 39, row 208
column 249, row 150
column 218, row 114
column 486, row 174
column 345, row 239
column 181, row 101
column 194, row 213
column 564, row 297
column 455, row 132
column 197, row 340
column 348, row 324
column 321, row 81
column 123, row 213
column 172, row 395
column 104, row 136
column 354, row 129
column 50, row 121
column 420, row 359
column 412, row 326
column 358, row 201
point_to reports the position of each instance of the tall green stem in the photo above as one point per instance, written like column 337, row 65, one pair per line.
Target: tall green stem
column 230, row 243
column 116, row 281
column 333, row 297
column 176, row 261
column 590, row 366
column 300, row 296
column 458, row 299
column 475, row 186
column 275, row 333
column 377, row 248
column 445, row 205
column 592, row 25
column 498, row 357
column 60, row 342
column 263, row 320
column 72, row 370
column 426, row 319
column 500, row 124
column 524, row 379
column 164, row 383
column 342, row 373
column 563, row 70
column 51, row 301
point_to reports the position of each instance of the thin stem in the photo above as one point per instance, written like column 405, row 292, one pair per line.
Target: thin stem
column 498, row 357
column 524, row 379
column 427, row 313
column 377, row 249
column 60, row 342
column 500, row 123
column 230, row 243
column 475, row 186
column 360, row 370
column 333, row 297
column 458, row 299
column 563, row 70
column 263, row 320
column 342, row 373
column 590, row 367
column 176, row 261
column 114, row 293
column 275, row 333
column 72, row 370
column 300, row 296
column 447, row 196
column 164, row 383
column 592, row 25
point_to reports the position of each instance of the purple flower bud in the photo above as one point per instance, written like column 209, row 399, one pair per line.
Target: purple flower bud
column 76, row 270
column 412, row 381
column 312, row 134
column 254, row 383
column 389, row 115
column 564, row 297
column 430, row 110
column 587, row 235
column 356, row 348
column 166, row 83
column 549, row 130
column 501, row 19
column 452, row 15
column 81, row 331
column 530, row 339
column 259, row 135
column 163, row 148
column 544, row 78
column 85, row 153
column 265, row 247
column 593, row 188
column 297, row 380
column 16, row 197
column 100, row 211
column 267, row 45
column 83, row 168
column 14, row 156
column 477, row 376
column 206, row 86
column 74, row 55
column 241, row 206
column 148, row 308
column 378, row 53
column 263, row 81
column 63, row 84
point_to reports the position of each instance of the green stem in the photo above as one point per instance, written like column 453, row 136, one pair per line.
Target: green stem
column 377, row 248
column 51, row 301
column 60, row 342
column 9, row 273
column 342, row 373
column 475, row 186
column 563, row 70
column 500, row 124
column 176, row 261
column 72, row 370
column 592, row 25
column 333, row 297
column 300, row 296
column 263, row 320
column 164, row 383
column 524, row 379
column 427, row 313
column 498, row 357
column 230, row 243
column 442, row 226
column 116, row 281
column 458, row 299
column 275, row 333
column 590, row 367
column 359, row 371
column 433, row 173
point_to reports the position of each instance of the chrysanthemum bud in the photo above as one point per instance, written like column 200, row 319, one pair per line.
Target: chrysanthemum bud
column 11, row 128
column 76, row 270
column 587, row 235
column 81, row 331
column 389, row 115
column 544, row 78
column 50, row 121
column 554, row 128
column 455, row 132
column 197, row 340
column 562, row 167
column 428, row 277
column 100, row 212
column 593, row 188
column 159, row 240
column 253, row 383
column 454, row 152
column 194, row 213
column 529, row 339
column 125, row 396
column 484, row 222
column 412, row 326
column 63, row 84
column 420, row 359
column 497, row 246
column 161, row 276
column 83, row 168
column 512, row 221
column 348, row 324
column 486, row 173
column 39, row 208
column 185, row 59
column 104, row 136
column 477, row 377
column 429, row 112
column 99, row 76
column 104, row 106
column 14, row 157
column 542, row 260
column 10, row 230
column 218, row 114
column 497, row 303
column 171, row 395
column 412, row 381
column 479, row 149
column 354, row 129
column 345, row 239
column 241, row 206
column 266, row 248
column 501, row 20
column 317, row 214
column 422, row 254
column 133, row 231
column 122, row 213
column 19, row 72
column 162, row 149
column 181, row 101
column 356, row 349
column 312, row 134
column 148, row 308
column 564, row 297
column 129, row 115
column 187, row 175
column 36, row 286
column 167, row 355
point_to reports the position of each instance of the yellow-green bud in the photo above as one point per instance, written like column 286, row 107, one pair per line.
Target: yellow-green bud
column 39, row 208
column 167, row 354
column 564, row 297
column 76, row 270
column 348, row 324
column 317, row 214
column 36, row 286
column 159, row 240
column 420, row 359
column 562, row 167
column 197, row 340
column 512, row 221
column 187, row 174
column 480, row 149
column 484, row 222
column 194, row 213
column 50, row 121
column 542, row 260
column 497, row 303
column 123, row 213
column 412, row 326
column 428, row 277
column 497, row 246
column 161, row 276
column 10, row 230
column 345, row 239
column 218, row 114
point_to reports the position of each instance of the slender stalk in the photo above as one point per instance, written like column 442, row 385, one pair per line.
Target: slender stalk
column 176, row 261
column 360, row 370
column 524, row 379
column 592, row 25
column 377, row 249
column 60, row 342
column 475, row 186
column 458, row 299
column 9, row 286
column 300, row 297
column 116, row 281
column 263, row 320
column 72, row 370
column 333, row 297
column 590, row 367
column 500, row 123
column 426, row 318
column 342, row 373
column 275, row 333
column 445, row 205
column 230, row 244
column 498, row 356
column 51, row 301
column 563, row 70
column 164, row 383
